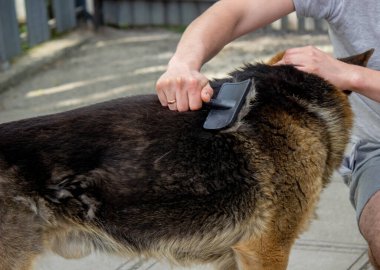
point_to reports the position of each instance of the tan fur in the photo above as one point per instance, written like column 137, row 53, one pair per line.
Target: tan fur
column 276, row 58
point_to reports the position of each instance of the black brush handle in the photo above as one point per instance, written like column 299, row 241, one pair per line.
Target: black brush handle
column 221, row 104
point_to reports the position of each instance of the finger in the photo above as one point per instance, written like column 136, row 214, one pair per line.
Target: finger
column 207, row 93
column 181, row 95
column 170, row 94
column 194, row 93
column 160, row 86
column 300, row 60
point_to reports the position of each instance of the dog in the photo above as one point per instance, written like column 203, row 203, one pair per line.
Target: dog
column 130, row 178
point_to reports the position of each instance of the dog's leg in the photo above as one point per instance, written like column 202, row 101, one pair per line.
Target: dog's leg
column 226, row 262
column 266, row 253
column 22, row 262
column 17, row 250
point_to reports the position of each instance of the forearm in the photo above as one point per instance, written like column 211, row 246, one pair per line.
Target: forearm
column 366, row 82
column 222, row 23
column 183, row 86
column 203, row 38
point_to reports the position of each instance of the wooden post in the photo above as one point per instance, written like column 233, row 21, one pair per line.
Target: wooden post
column 64, row 12
column 10, row 44
column 158, row 13
column 125, row 14
column 98, row 13
column 189, row 11
column 173, row 13
column 37, row 21
column 141, row 12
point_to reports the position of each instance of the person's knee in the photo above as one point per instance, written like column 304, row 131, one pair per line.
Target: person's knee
column 372, row 260
column 369, row 224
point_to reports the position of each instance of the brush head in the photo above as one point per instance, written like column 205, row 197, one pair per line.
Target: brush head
column 227, row 105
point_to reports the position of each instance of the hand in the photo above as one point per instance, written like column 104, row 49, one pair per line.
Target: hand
column 312, row 60
column 181, row 88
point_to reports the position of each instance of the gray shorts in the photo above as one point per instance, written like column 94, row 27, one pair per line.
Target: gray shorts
column 361, row 172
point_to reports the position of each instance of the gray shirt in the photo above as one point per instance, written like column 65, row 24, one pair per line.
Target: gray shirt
column 354, row 27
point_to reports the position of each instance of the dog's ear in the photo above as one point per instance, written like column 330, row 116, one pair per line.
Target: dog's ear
column 358, row 59
column 276, row 58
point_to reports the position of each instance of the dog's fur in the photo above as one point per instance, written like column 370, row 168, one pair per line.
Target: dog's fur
column 130, row 178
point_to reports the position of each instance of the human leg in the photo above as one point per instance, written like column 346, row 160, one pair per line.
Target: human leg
column 365, row 195
column 369, row 224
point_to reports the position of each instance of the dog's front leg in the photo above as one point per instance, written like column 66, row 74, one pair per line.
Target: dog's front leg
column 265, row 253
column 20, row 236
column 226, row 262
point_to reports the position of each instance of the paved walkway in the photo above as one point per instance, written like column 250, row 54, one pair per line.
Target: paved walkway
column 121, row 63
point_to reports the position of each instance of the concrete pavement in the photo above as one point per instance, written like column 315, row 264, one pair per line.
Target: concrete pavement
column 118, row 63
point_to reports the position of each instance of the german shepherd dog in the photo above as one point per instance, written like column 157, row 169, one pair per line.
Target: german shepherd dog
column 130, row 178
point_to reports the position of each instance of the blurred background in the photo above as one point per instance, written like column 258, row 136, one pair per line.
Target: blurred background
column 57, row 55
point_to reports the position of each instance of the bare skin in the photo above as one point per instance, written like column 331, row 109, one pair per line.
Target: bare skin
column 186, row 87
column 369, row 224
column 362, row 80
column 203, row 39
column 183, row 87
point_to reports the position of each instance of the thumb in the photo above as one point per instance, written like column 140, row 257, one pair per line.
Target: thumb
column 206, row 93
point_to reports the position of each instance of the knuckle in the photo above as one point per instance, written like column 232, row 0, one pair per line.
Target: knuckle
column 162, row 83
column 179, row 80
column 158, row 85
column 192, row 82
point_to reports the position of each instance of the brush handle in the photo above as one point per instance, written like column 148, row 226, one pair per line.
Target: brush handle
column 221, row 104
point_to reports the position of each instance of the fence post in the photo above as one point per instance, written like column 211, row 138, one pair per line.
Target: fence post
column 189, row 11
column 158, row 13
column 141, row 12
column 37, row 21
column 173, row 13
column 3, row 58
column 64, row 13
column 125, row 13
column 10, row 44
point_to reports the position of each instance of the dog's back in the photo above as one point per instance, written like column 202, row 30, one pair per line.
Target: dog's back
column 129, row 178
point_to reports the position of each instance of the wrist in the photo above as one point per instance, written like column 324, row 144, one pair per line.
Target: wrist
column 189, row 62
column 356, row 79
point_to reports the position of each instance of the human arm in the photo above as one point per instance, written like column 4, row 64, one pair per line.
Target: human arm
column 345, row 76
column 204, row 38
